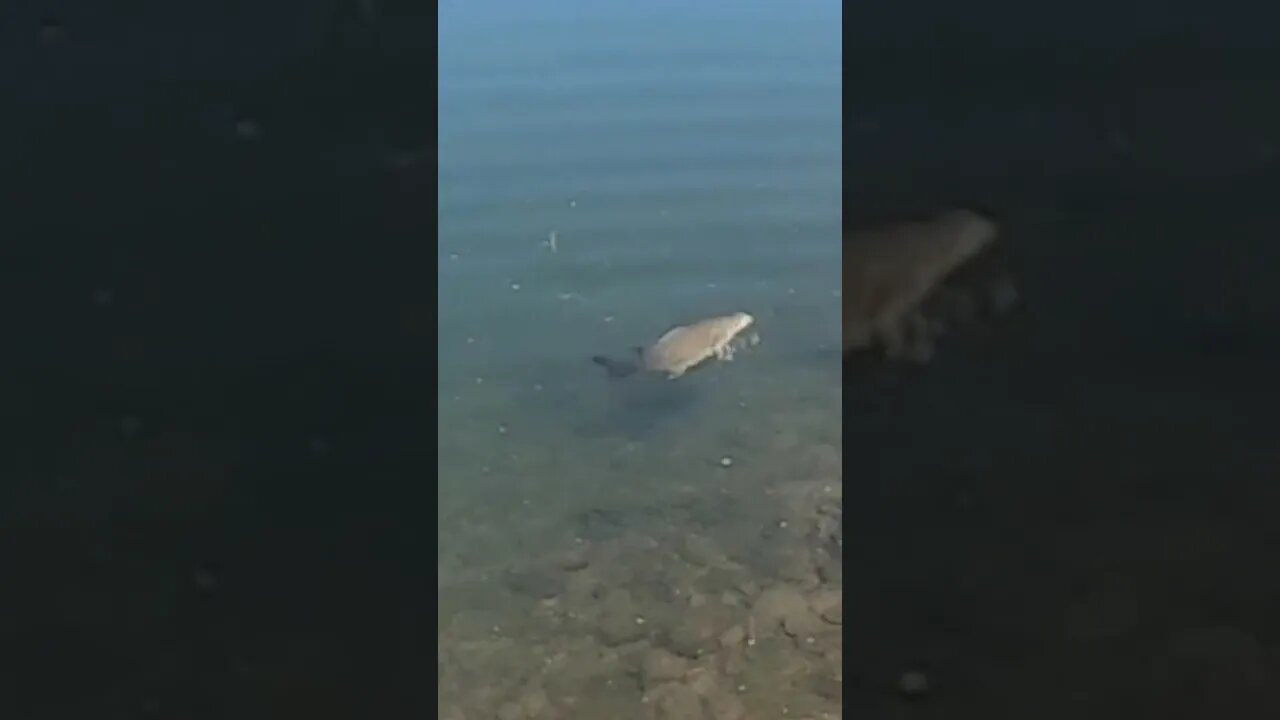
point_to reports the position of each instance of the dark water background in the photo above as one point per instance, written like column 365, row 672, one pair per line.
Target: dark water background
column 1043, row 519
column 218, row 367
column 1071, row 517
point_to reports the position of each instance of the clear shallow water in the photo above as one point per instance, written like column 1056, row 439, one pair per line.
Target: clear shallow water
column 687, row 161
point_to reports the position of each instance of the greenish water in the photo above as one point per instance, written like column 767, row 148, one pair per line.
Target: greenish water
column 687, row 161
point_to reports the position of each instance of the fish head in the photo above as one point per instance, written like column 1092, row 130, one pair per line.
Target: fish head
column 739, row 321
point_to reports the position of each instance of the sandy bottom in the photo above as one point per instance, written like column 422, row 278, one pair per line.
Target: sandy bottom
column 653, row 549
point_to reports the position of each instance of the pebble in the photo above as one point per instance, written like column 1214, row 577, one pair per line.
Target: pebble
column 689, row 669
column 701, row 550
column 674, row 701
column 726, row 461
column 831, row 688
column 802, row 624
column 724, row 706
column 659, row 666
column 733, row 637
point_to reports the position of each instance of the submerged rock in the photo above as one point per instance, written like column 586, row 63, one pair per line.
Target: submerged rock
column 776, row 605
column 620, row 621
column 698, row 629
column 659, row 666
column 675, row 701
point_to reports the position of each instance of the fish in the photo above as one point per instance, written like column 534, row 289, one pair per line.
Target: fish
column 889, row 272
column 685, row 347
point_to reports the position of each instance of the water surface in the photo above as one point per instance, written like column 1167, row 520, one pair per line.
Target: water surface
column 686, row 161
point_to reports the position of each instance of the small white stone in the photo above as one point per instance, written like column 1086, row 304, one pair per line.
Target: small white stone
column 726, row 461
column 515, row 286
column 639, row 620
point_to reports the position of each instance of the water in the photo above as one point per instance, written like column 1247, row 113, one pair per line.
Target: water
column 686, row 159
column 214, row 495
column 1058, row 518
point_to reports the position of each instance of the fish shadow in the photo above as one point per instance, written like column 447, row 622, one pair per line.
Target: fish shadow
column 591, row 404
column 640, row 405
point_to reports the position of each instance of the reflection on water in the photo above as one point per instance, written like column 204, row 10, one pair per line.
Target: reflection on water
column 613, row 546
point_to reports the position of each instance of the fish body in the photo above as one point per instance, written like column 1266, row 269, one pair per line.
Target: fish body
column 889, row 272
column 684, row 347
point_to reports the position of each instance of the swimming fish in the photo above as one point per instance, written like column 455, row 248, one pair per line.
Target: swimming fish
column 889, row 272
column 684, row 347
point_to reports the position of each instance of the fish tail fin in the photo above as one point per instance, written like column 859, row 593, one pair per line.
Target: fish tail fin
column 615, row 368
